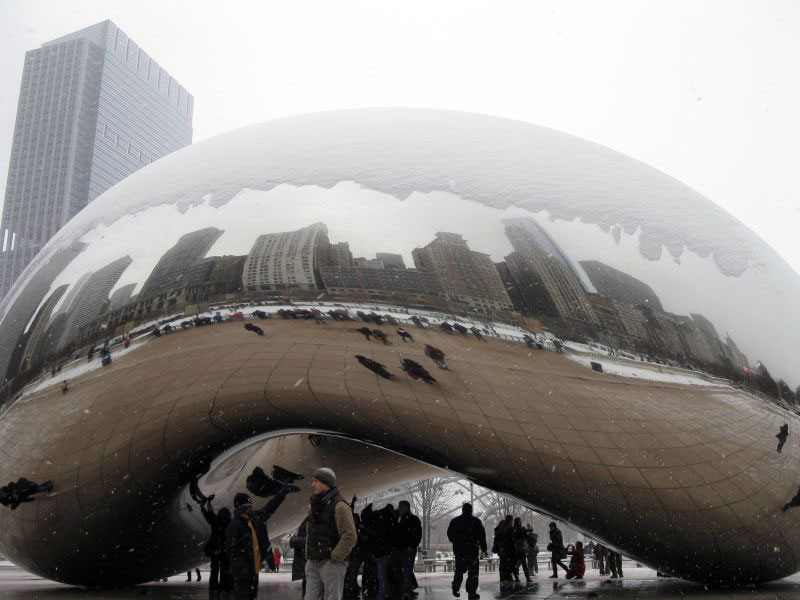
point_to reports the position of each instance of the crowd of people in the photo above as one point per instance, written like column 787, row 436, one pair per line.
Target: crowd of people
column 334, row 545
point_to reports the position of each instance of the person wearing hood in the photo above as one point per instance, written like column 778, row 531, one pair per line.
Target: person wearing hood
column 247, row 541
column 330, row 536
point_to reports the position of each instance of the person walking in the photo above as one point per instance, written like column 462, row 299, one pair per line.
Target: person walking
column 468, row 537
column 615, row 564
column 219, row 578
column 276, row 558
column 247, row 541
column 408, row 535
column 520, row 539
column 189, row 575
column 533, row 550
column 556, row 548
column 330, row 536
column 783, row 433
column 503, row 546
column 404, row 335
column 374, row 366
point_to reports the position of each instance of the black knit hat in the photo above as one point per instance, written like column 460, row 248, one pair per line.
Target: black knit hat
column 240, row 499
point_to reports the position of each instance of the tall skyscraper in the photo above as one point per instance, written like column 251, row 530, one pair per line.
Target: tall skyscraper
column 93, row 300
column 93, row 108
column 173, row 268
column 531, row 261
column 290, row 259
column 464, row 275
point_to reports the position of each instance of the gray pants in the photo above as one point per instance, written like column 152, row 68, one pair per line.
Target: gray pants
column 325, row 579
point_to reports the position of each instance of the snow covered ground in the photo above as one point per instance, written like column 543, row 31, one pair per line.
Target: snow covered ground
column 81, row 366
column 648, row 371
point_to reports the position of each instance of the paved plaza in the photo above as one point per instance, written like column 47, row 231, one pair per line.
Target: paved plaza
column 639, row 584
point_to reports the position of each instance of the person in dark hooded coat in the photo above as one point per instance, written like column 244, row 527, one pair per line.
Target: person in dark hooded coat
column 417, row 371
column 782, row 435
column 460, row 329
column 247, row 541
column 404, row 335
column 436, row 355
column 374, row 366
column 381, row 336
column 215, row 548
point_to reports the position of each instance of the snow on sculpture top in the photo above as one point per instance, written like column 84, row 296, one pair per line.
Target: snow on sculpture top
column 390, row 179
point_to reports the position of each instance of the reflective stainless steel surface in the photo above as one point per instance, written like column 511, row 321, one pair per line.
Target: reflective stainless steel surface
column 503, row 229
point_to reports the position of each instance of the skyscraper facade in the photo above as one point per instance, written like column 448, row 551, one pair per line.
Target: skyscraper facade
column 286, row 260
column 174, row 267
column 93, row 108
column 464, row 275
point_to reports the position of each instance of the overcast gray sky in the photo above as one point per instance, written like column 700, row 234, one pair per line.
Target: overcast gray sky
column 708, row 92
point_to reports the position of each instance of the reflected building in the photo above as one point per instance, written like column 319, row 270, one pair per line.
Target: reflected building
column 465, row 276
column 390, row 260
column 410, row 284
column 339, row 255
column 545, row 272
column 368, row 263
column 617, row 285
column 173, row 267
column 287, row 260
column 93, row 108
column 121, row 296
column 37, row 337
column 214, row 277
column 92, row 300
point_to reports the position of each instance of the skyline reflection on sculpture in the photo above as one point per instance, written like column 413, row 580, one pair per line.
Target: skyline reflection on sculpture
column 536, row 286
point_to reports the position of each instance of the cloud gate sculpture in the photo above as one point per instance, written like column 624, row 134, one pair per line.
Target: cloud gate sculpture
column 620, row 353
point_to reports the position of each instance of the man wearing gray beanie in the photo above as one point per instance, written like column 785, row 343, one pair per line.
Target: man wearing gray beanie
column 330, row 536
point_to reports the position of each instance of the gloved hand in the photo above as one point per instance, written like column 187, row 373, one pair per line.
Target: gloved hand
column 289, row 488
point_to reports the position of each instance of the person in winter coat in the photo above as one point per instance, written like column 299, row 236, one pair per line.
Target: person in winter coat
column 783, row 433
column 436, row 355
column 276, row 558
column 468, row 537
column 577, row 565
column 408, row 535
column 298, row 543
column 477, row 333
column 503, row 546
column 556, row 548
column 533, row 550
column 416, row 371
column 374, row 366
column 520, row 537
column 330, row 536
column 404, row 335
column 247, row 541
column 215, row 548
column 358, row 557
column 381, row 336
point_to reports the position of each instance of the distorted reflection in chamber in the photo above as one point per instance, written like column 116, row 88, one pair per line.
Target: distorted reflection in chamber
column 608, row 346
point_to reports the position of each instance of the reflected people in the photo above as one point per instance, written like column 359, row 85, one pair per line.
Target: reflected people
column 574, row 325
